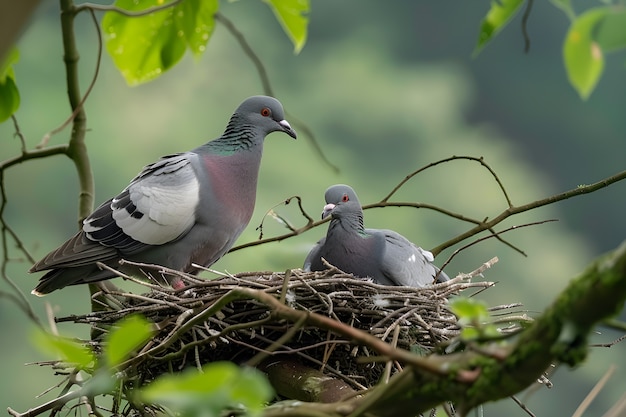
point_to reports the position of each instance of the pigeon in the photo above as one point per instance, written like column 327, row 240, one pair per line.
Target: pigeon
column 186, row 208
column 385, row 256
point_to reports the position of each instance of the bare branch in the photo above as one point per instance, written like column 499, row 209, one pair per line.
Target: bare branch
column 580, row 190
column 452, row 158
column 525, row 17
column 586, row 402
column 108, row 8
column 77, row 150
column 493, row 235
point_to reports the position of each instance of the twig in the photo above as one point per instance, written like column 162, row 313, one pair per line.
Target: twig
column 130, row 13
column 452, row 158
column 594, row 392
column 610, row 344
column 18, row 296
column 522, row 406
column 496, row 235
column 529, row 6
column 79, row 107
column 580, row 190
column 281, row 219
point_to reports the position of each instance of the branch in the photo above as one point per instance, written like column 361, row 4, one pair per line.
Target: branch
column 480, row 225
column 452, row 158
column 129, row 13
column 77, row 150
column 512, row 210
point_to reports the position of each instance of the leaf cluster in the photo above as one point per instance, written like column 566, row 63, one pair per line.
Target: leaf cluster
column 592, row 34
column 218, row 386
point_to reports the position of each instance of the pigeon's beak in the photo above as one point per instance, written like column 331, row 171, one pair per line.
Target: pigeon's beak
column 284, row 124
column 327, row 209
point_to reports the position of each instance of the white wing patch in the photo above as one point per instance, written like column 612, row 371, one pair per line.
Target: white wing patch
column 168, row 203
column 428, row 255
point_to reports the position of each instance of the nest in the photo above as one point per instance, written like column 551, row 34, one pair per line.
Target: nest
column 250, row 317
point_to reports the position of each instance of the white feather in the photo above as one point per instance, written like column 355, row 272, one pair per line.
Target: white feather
column 168, row 202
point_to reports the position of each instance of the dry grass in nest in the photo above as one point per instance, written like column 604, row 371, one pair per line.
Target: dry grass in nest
column 248, row 317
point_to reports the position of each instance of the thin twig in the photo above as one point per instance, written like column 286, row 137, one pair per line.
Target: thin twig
column 580, row 190
column 495, row 234
column 522, row 406
column 46, row 138
column 586, row 402
column 452, row 158
column 525, row 17
column 130, row 13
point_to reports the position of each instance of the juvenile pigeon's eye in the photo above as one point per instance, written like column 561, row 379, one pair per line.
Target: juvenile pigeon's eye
column 345, row 198
column 266, row 112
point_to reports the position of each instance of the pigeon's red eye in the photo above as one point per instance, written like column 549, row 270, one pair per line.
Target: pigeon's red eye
column 345, row 198
column 266, row 112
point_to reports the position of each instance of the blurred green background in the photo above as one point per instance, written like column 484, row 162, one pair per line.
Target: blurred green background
column 387, row 88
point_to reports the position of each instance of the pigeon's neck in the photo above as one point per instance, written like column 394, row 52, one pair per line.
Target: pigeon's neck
column 239, row 135
column 351, row 223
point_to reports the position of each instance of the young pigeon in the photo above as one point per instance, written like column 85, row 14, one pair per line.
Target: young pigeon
column 383, row 255
column 185, row 208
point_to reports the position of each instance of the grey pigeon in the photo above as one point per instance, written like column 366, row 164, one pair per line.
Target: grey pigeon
column 383, row 255
column 185, row 208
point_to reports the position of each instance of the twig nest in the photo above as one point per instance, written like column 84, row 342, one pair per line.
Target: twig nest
column 247, row 317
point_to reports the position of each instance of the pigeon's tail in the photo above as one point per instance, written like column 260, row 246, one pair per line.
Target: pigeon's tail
column 62, row 277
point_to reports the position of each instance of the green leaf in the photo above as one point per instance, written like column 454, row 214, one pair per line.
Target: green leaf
column 195, row 19
column 610, row 33
column 219, row 386
column 70, row 351
column 583, row 56
column 9, row 94
column 469, row 309
column 500, row 13
column 129, row 334
column 144, row 47
column 292, row 17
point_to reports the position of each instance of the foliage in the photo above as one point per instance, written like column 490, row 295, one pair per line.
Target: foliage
column 9, row 95
column 206, row 392
column 500, row 13
column 217, row 387
column 146, row 43
column 292, row 16
column 591, row 34
column 473, row 317
column 143, row 47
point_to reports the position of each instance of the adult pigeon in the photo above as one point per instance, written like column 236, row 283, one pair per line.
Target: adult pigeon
column 383, row 255
column 185, row 208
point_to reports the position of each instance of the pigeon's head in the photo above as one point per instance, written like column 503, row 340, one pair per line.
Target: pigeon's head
column 266, row 113
column 340, row 199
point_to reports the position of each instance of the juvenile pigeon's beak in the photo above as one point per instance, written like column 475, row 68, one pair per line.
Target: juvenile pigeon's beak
column 287, row 128
column 327, row 209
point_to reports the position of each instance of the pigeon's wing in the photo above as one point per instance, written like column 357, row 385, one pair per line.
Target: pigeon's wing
column 314, row 255
column 405, row 263
column 76, row 252
column 157, row 207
